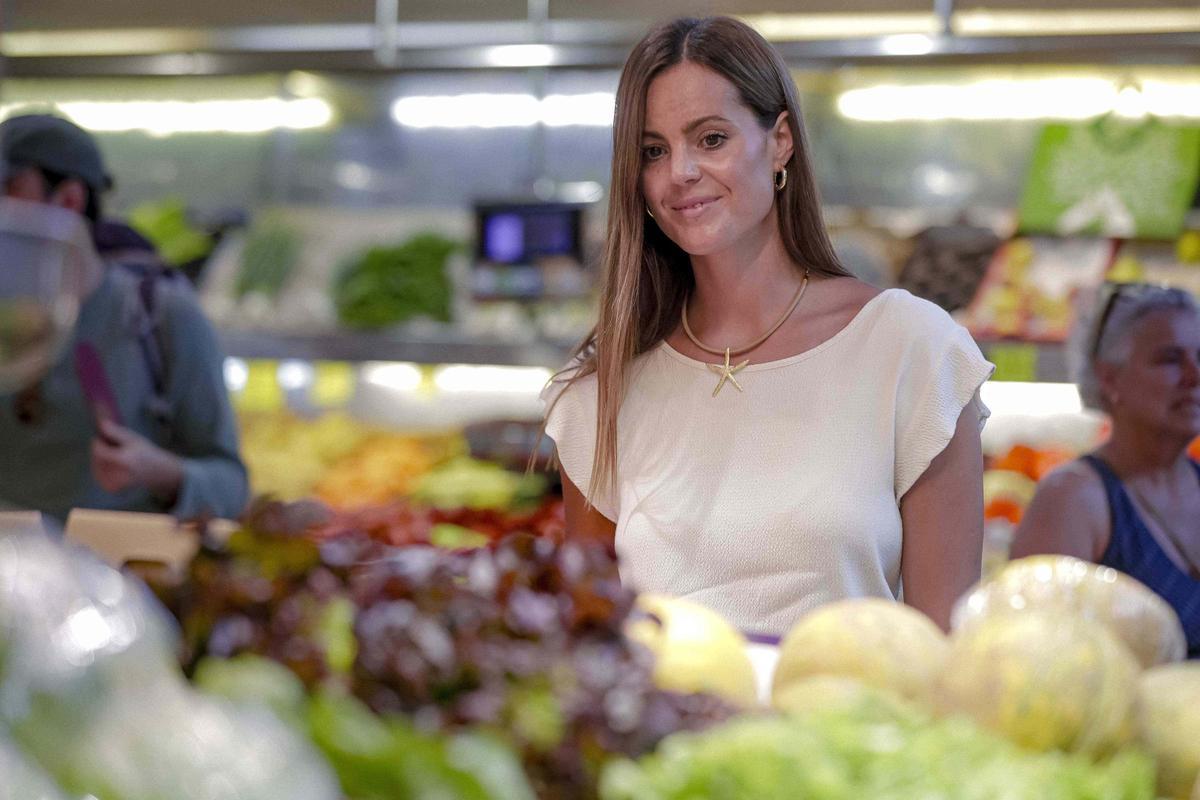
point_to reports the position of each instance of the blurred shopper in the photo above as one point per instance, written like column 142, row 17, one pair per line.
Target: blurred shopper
column 749, row 425
column 1134, row 504
column 170, row 445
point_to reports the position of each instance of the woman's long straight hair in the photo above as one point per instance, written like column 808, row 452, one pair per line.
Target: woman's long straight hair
column 646, row 276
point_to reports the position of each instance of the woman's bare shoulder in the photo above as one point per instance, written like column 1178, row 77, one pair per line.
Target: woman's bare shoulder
column 1068, row 515
column 1075, row 480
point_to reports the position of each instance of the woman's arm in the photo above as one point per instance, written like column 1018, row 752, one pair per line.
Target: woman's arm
column 585, row 523
column 1068, row 516
column 942, row 515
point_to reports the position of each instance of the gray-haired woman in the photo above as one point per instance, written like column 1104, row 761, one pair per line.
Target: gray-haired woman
column 1134, row 504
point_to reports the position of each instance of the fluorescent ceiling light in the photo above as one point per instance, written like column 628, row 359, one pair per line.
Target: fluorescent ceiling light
column 112, row 42
column 519, row 55
column 1163, row 99
column 1076, row 21
column 166, row 117
column 467, row 111
column 1018, row 99
column 907, row 44
column 593, row 109
column 808, row 27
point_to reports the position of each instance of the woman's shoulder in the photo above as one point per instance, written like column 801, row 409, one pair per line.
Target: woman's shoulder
column 575, row 382
column 895, row 320
column 907, row 311
column 849, row 297
column 1069, row 514
column 1074, row 481
column 1078, row 491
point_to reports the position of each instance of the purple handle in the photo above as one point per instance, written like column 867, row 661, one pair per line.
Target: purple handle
column 94, row 380
column 762, row 638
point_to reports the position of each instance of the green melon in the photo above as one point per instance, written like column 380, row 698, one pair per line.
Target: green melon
column 1063, row 585
column 1045, row 681
column 695, row 649
column 879, row 642
column 1169, row 726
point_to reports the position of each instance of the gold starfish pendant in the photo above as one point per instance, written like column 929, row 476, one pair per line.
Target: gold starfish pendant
column 726, row 372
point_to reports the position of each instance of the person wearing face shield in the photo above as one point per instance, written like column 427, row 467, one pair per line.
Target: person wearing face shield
column 131, row 413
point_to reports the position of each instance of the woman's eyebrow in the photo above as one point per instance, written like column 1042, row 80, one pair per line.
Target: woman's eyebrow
column 691, row 126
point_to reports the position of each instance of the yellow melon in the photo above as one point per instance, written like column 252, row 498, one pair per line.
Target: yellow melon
column 1169, row 726
column 695, row 649
column 1045, row 681
column 1063, row 585
column 879, row 642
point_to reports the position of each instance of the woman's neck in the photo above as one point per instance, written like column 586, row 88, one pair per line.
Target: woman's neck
column 740, row 293
column 1134, row 450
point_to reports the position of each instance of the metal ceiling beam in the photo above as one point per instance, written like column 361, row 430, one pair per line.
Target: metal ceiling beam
column 387, row 32
column 454, row 46
column 944, row 11
column 314, row 38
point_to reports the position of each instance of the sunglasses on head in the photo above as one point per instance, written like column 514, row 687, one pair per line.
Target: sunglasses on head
column 1112, row 293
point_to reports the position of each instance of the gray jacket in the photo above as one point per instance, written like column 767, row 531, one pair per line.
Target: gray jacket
column 45, row 463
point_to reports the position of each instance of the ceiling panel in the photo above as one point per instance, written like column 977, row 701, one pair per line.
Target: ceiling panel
column 665, row 9
column 24, row 15
column 73, row 14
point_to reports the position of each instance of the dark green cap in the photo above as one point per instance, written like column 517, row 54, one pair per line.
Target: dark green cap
column 54, row 144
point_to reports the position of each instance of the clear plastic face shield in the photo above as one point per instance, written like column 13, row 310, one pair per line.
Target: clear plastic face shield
column 48, row 265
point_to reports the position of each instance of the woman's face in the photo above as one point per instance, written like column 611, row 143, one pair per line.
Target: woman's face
column 1159, row 384
column 707, row 163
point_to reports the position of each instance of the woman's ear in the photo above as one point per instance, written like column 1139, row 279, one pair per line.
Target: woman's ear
column 781, row 136
column 1106, row 376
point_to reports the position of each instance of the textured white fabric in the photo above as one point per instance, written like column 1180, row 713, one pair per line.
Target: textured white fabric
column 768, row 503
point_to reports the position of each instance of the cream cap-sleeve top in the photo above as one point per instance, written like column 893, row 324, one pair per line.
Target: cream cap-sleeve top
column 767, row 503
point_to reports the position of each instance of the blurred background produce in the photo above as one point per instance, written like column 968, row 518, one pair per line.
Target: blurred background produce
column 386, row 286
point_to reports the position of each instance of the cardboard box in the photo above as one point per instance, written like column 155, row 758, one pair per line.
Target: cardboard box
column 120, row 537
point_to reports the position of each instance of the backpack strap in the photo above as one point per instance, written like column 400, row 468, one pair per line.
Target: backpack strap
column 149, row 333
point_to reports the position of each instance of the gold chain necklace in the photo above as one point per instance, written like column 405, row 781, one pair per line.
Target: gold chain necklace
column 726, row 371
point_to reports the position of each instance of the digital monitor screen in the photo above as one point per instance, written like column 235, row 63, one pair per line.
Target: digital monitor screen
column 529, row 250
column 521, row 233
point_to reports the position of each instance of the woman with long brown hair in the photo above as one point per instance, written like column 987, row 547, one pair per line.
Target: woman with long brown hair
column 750, row 426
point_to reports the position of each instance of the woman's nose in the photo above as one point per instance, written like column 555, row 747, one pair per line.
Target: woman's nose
column 1191, row 369
column 683, row 165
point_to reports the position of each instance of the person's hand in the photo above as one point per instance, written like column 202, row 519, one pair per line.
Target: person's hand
column 122, row 459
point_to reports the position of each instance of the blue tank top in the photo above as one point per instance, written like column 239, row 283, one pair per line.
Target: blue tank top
column 1134, row 551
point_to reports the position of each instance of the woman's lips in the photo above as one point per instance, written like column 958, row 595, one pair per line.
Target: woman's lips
column 692, row 208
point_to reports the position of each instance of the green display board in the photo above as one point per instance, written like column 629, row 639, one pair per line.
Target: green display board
column 1112, row 178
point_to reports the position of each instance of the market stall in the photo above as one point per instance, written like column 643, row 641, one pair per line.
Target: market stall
column 394, row 226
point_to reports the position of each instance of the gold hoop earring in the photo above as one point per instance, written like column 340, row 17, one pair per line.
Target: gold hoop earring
column 780, row 179
column 651, row 213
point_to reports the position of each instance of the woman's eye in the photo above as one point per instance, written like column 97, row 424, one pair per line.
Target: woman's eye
column 712, row 140
column 652, row 152
column 1169, row 357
